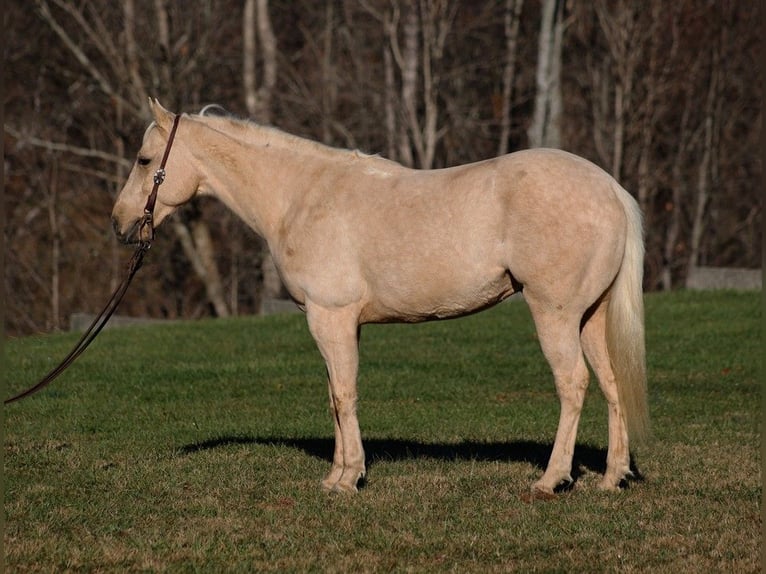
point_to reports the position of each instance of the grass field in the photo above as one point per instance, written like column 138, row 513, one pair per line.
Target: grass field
column 199, row 447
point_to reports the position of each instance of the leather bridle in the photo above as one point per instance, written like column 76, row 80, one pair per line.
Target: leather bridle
column 147, row 221
column 145, row 237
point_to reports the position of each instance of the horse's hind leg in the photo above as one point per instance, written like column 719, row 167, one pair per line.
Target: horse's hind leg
column 593, row 339
column 336, row 334
column 558, row 332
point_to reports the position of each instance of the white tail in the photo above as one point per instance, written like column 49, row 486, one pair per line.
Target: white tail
column 625, row 325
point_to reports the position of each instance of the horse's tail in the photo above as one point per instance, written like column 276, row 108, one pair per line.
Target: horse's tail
column 625, row 324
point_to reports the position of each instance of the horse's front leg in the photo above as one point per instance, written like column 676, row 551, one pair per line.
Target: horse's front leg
column 336, row 332
column 337, row 458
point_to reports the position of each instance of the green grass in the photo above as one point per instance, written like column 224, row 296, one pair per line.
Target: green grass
column 199, row 447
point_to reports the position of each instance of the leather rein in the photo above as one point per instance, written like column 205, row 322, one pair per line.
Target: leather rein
column 145, row 237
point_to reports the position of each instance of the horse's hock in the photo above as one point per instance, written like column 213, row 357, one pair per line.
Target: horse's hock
column 725, row 278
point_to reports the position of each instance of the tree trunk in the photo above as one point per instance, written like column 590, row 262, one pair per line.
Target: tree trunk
column 705, row 168
column 131, row 57
column 429, row 21
column 198, row 246
column 120, row 176
column 545, row 129
column 619, row 25
column 249, row 53
column 53, row 220
column 329, row 86
column 163, row 37
column 679, row 183
column 436, row 22
column 646, row 181
column 203, row 244
column 390, row 103
column 600, row 86
column 235, row 251
column 512, row 20
column 256, row 23
column 409, row 69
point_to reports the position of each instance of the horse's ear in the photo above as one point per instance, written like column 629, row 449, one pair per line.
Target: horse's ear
column 163, row 117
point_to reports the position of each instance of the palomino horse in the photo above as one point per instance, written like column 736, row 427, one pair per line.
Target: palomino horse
column 360, row 239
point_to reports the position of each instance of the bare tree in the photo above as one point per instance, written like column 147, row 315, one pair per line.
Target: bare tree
column 418, row 57
column 545, row 129
column 120, row 79
column 53, row 219
column 708, row 164
column 687, row 138
column 624, row 37
column 660, row 57
column 257, row 33
column 511, row 20
column 407, row 59
column 390, row 99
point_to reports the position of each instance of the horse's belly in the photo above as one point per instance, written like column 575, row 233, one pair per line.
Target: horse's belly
column 432, row 295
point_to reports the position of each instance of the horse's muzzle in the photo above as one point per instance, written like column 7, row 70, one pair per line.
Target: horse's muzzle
column 129, row 237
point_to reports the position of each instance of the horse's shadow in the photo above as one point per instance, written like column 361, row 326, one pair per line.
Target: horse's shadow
column 586, row 457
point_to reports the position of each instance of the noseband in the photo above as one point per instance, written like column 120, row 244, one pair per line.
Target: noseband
column 145, row 238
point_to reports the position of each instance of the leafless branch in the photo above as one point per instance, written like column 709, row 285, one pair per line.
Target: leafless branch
column 67, row 148
column 80, row 56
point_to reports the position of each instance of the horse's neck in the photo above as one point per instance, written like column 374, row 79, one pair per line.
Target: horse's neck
column 256, row 172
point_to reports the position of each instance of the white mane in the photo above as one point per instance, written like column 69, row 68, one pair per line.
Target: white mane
column 253, row 132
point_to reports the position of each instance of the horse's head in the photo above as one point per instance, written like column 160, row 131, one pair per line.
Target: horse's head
column 180, row 184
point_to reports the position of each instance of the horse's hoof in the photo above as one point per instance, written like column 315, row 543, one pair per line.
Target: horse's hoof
column 339, row 481
column 545, row 490
column 345, row 489
column 615, row 483
column 334, row 476
column 347, row 485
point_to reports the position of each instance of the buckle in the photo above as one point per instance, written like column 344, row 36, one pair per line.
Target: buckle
column 146, row 228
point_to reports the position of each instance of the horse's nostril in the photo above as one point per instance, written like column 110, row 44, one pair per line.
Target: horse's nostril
column 127, row 236
column 121, row 236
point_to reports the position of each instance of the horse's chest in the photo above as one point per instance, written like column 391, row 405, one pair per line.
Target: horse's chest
column 317, row 269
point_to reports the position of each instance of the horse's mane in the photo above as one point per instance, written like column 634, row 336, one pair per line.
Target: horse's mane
column 270, row 135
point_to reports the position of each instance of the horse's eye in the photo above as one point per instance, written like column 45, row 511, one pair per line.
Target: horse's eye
column 144, row 161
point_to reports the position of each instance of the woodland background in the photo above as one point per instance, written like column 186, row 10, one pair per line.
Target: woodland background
column 666, row 96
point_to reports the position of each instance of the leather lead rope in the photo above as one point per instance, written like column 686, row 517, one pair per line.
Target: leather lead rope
column 94, row 329
column 146, row 224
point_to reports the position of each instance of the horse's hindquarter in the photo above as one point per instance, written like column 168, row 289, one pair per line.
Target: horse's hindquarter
column 410, row 245
column 566, row 226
